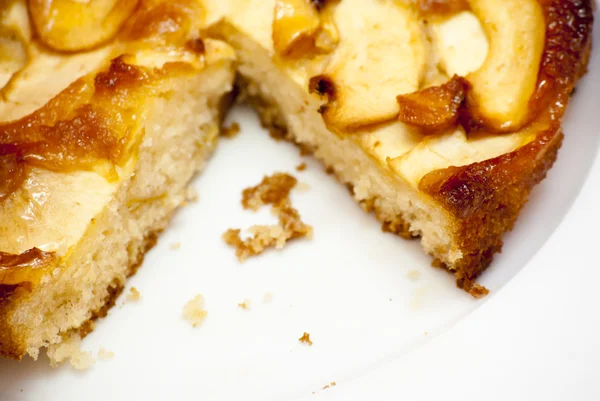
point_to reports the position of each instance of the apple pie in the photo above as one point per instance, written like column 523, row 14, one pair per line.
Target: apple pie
column 440, row 115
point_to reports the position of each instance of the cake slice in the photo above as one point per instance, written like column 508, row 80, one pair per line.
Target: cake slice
column 94, row 160
column 441, row 116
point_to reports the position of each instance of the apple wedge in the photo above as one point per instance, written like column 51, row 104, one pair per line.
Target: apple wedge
column 68, row 25
column 504, row 84
column 381, row 54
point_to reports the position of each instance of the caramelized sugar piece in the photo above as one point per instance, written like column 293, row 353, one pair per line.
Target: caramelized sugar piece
column 434, row 109
column 69, row 25
column 303, row 28
column 28, row 267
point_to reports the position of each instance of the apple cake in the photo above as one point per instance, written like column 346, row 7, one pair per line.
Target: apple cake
column 440, row 115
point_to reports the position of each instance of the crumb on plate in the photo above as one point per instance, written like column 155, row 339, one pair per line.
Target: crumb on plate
column 133, row 295
column 303, row 187
column 301, row 167
column 232, row 131
column 275, row 236
column 268, row 297
column 245, row 304
column 305, row 339
column 478, row 291
column 194, row 312
column 413, row 274
column 271, row 191
column 175, row 246
column 105, row 354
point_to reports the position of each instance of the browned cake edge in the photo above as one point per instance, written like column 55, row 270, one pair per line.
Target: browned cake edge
column 484, row 199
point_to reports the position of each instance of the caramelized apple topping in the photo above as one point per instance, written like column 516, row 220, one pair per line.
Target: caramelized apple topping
column 164, row 22
column 13, row 54
column 12, row 170
column 304, row 28
column 89, row 125
column 503, row 86
column 441, row 7
column 14, row 36
column 69, row 25
column 383, row 54
column 27, row 267
column 434, row 109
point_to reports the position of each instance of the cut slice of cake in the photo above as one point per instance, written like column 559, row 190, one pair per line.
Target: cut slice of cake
column 93, row 176
column 440, row 122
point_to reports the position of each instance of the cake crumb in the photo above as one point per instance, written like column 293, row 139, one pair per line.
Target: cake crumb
column 301, row 167
column 419, row 297
column 105, row 354
column 232, row 131
column 193, row 311
column 269, row 236
column 268, row 297
column 478, row 291
column 175, row 245
column 245, row 304
column 332, row 384
column 133, row 295
column 70, row 350
column 271, row 191
column 303, row 187
column 305, row 339
column 413, row 274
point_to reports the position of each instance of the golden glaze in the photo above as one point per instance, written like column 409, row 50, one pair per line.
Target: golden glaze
column 28, row 267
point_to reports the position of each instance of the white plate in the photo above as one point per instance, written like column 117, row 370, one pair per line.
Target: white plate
column 377, row 333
